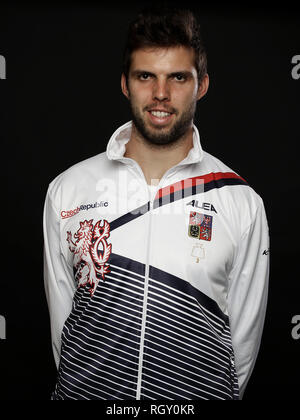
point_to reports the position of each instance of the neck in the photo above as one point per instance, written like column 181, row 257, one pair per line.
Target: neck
column 155, row 160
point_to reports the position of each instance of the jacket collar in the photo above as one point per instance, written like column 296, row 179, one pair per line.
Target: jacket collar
column 116, row 146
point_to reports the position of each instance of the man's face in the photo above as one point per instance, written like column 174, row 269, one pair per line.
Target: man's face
column 163, row 91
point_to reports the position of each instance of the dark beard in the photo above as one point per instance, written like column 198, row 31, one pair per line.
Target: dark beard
column 160, row 138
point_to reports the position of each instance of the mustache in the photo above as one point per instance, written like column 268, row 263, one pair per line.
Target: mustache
column 154, row 107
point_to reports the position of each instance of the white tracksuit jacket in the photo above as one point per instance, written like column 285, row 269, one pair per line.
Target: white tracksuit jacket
column 154, row 296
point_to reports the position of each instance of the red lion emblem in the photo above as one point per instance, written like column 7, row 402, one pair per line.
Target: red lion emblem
column 90, row 261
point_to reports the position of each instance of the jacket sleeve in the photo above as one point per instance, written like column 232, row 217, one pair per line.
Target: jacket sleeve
column 247, row 295
column 58, row 279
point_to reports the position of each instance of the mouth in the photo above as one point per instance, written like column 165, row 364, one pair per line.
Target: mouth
column 160, row 117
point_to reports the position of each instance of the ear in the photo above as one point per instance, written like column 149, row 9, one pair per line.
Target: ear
column 203, row 86
column 124, row 86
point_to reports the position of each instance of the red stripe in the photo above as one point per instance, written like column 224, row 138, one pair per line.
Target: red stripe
column 197, row 180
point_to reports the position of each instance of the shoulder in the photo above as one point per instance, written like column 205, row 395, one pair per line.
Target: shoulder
column 238, row 196
column 77, row 175
column 220, row 171
column 214, row 164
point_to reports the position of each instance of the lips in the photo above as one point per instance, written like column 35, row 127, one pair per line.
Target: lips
column 160, row 116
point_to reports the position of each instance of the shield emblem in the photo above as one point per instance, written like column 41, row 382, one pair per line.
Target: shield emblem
column 200, row 226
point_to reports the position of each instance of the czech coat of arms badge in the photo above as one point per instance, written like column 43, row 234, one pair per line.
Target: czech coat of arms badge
column 200, row 226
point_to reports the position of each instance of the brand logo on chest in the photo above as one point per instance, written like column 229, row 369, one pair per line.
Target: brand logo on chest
column 203, row 206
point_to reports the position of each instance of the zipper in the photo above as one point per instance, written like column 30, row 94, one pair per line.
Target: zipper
column 145, row 298
column 147, row 270
column 144, row 315
column 232, row 374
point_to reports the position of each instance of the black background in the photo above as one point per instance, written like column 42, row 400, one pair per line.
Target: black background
column 61, row 102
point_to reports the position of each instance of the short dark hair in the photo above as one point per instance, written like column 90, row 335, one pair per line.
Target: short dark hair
column 165, row 27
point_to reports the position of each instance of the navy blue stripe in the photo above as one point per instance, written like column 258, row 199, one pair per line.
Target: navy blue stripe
column 131, row 285
column 133, row 307
column 113, row 321
column 126, row 374
column 171, row 388
column 174, row 196
column 157, row 307
column 127, row 264
column 105, row 314
column 168, row 279
column 107, row 343
column 185, row 287
column 180, row 365
column 196, row 189
column 122, row 291
column 178, row 301
column 72, row 343
column 173, row 335
column 128, row 217
column 193, row 329
column 91, row 392
column 172, row 349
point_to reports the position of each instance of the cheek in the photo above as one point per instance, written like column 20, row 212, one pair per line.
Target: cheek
column 139, row 101
column 184, row 99
column 140, row 94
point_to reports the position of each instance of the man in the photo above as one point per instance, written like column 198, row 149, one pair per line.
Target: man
column 155, row 270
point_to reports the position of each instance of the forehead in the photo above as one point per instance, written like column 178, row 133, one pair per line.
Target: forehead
column 163, row 59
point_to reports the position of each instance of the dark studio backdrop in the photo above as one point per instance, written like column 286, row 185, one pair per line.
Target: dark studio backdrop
column 60, row 103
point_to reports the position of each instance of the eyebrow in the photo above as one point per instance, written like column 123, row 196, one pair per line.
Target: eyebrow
column 185, row 73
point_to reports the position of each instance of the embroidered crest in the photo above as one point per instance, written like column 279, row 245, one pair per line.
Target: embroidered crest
column 200, row 226
column 91, row 252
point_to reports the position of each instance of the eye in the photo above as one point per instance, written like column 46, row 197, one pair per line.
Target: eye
column 179, row 77
column 144, row 76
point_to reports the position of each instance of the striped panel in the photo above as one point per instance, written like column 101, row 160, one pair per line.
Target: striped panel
column 196, row 185
column 101, row 337
column 187, row 347
column 188, row 353
column 180, row 190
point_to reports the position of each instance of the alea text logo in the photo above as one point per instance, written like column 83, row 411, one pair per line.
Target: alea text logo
column 296, row 328
column 296, row 68
column 2, row 328
column 2, row 67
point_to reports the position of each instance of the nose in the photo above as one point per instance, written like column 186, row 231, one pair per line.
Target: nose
column 161, row 91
